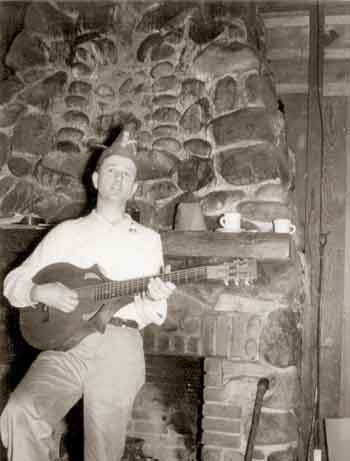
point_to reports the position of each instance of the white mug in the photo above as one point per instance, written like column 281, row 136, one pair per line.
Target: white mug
column 283, row 226
column 231, row 221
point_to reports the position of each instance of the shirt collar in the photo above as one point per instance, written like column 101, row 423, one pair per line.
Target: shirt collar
column 125, row 223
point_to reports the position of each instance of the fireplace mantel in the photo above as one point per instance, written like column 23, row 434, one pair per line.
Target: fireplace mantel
column 258, row 245
column 262, row 246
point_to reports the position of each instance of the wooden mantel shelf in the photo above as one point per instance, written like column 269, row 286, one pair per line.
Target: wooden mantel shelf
column 258, row 245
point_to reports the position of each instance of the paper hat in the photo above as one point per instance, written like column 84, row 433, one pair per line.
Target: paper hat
column 122, row 146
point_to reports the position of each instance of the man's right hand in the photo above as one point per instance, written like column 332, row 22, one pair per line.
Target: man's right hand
column 55, row 295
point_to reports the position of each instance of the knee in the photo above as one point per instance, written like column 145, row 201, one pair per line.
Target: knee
column 16, row 410
column 10, row 419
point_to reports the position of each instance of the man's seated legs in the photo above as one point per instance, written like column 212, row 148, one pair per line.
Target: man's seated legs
column 52, row 385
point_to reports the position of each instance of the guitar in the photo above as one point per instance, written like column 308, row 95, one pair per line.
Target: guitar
column 45, row 327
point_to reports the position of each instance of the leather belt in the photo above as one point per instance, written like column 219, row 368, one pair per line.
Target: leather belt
column 118, row 322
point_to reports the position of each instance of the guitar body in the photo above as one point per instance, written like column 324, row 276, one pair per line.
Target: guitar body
column 45, row 327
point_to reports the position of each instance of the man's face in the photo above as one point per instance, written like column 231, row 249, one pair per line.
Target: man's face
column 116, row 178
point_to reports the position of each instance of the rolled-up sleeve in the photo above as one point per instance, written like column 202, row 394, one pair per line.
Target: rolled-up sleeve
column 18, row 283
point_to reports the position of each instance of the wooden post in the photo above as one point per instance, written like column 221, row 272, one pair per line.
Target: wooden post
column 344, row 400
column 314, row 161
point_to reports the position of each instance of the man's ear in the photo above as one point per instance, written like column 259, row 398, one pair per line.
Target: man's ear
column 134, row 189
column 94, row 178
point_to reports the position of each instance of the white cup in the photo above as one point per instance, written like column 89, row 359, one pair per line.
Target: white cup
column 283, row 226
column 231, row 221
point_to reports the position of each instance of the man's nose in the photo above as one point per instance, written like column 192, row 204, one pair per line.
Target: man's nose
column 119, row 175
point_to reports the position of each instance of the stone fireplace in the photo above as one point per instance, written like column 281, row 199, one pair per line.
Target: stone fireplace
column 192, row 83
column 243, row 333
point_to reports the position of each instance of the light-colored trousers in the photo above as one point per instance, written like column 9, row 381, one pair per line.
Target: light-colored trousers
column 107, row 370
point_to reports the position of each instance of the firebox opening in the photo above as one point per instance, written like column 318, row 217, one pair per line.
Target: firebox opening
column 166, row 420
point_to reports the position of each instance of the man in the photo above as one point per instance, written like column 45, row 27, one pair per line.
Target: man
column 107, row 369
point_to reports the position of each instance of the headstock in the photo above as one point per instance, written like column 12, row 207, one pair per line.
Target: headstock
column 239, row 271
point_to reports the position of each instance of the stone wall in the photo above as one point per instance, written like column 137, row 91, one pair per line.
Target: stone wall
column 191, row 82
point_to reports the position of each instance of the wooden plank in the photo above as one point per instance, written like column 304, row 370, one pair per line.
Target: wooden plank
column 337, row 19
column 289, row 38
column 295, row 110
column 313, row 173
column 281, row 20
column 290, row 71
column 292, row 88
column 283, row 6
column 332, row 295
column 336, row 89
column 337, row 72
column 336, row 54
column 334, row 165
column 337, row 35
column 344, row 398
column 259, row 245
column 331, row 312
column 296, row 54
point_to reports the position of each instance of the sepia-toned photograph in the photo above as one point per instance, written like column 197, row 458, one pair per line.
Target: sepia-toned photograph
column 174, row 221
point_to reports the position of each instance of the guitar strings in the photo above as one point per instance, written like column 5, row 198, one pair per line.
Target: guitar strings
column 117, row 288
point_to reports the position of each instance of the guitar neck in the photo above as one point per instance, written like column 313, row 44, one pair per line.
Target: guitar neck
column 110, row 290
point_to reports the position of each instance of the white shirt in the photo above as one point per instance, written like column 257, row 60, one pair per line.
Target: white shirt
column 123, row 251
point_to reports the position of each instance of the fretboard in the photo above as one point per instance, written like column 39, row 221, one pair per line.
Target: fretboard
column 110, row 290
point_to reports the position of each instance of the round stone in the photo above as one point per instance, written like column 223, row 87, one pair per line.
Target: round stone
column 77, row 119
column 69, row 134
column 76, row 102
column 165, row 100
column 162, row 51
column 4, row 148
column 79, row 87
column 68, row 147
column 162, row 69
column 166, row 115
column 279, row 342
column 198, row 147
column 167, row 144
column 10, row 113
column 164, row 84
column 33, row 134
column 21, row 164
column 105, row 91
column 147, row 45
column 219, row 202
column 225, row 94
column 81, row 70
column 164, row 131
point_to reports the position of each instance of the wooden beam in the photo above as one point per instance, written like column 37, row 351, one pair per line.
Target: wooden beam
column 273, row 20
column 337, row 8
column 333, row 229
column 344, row 400
column 258, row 245
column 310, row 339
column 284, row 6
